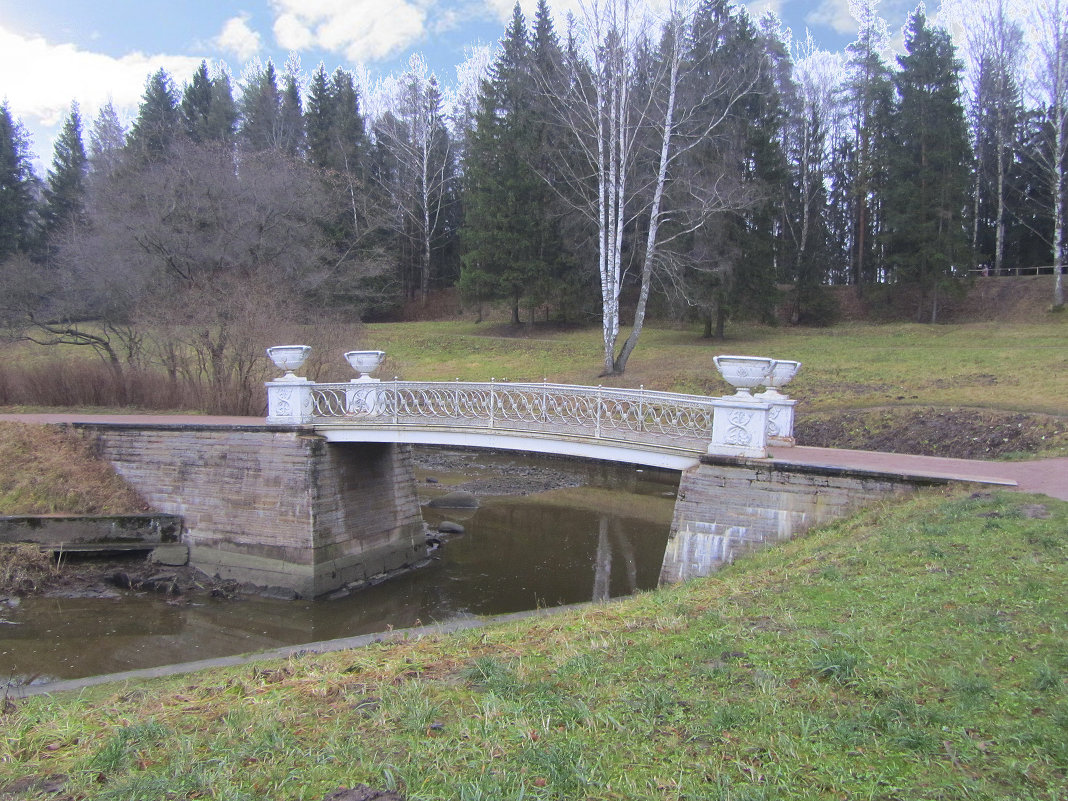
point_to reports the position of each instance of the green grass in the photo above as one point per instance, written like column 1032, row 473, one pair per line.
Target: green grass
column 915, row 651
column 1020, row 367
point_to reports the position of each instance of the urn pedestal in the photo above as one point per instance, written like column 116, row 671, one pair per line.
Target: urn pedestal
column 739, row 427
column 289, row 398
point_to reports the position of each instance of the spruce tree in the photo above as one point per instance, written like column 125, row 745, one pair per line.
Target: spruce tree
column 65, row 193
column 291, row 118
column 261, row 111
column 17, row 186
column 928, row 187
column 500, row 236
column 106, row 141
column 196, row 104
column 319, row 119
column 221, row 123
column 869, row 103
column 158, row 121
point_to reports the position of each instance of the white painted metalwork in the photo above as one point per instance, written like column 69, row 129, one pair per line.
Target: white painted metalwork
column 640, row 417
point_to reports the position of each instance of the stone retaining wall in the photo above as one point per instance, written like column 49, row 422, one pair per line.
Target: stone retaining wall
column 278, row 507
column 727, row 507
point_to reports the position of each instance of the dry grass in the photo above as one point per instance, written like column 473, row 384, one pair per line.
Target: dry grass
column 49, row 469
column 23, row 567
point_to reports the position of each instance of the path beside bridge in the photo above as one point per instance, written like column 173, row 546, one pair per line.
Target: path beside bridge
column 1047, row 476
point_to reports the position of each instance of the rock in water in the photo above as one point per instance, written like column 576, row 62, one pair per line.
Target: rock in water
column 455, row 500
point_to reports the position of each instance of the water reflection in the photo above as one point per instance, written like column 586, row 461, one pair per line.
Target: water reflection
column 604, row 540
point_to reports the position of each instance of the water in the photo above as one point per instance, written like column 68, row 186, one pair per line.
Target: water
column 603, row 539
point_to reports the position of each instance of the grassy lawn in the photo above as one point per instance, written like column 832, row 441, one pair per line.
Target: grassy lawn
column 1020, row 367
column 897, row 655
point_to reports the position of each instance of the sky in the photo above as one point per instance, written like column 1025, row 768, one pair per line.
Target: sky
column 53, row 52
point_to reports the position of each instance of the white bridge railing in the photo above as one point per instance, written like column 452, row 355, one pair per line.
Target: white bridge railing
column 619, row 415
column 742, row 424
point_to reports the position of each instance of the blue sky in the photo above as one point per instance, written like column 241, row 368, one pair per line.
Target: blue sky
column 56, row 51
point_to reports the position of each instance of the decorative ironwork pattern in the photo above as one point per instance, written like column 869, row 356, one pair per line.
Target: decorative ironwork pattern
column 619, row 415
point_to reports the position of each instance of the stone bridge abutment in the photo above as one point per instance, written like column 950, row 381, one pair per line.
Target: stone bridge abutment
column 275, row 506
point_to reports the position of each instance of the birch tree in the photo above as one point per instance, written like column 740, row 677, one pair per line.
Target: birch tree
column 1049, row 27
column 414, row 135
column 996, row 49
column 633, row 114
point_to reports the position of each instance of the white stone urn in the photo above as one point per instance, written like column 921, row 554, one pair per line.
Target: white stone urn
column 363, row 400
column 289, row 358
column 364, row 362
column 744, row 373
column 782, row 373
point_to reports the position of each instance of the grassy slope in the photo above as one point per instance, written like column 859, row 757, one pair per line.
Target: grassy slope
column 48, row 469
column 897, row 655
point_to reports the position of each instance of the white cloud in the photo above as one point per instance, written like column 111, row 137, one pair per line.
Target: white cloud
column 836, row 14
column 361, row 30
column 758, row 8
column 237, row 38
column 40, row 78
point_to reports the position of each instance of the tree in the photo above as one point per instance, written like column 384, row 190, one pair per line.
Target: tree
column 17, row 186
column 65, row 193
column 106, row 141
column 870, row 102
column 644, row 124
column 506, row 201
column 208, row 111
column 808, row 137
column 261, row 125
column 158, row 121
column 926, row 238
column 996, row 47
column 1049, row 23
column 199, row 255
column 417, row 175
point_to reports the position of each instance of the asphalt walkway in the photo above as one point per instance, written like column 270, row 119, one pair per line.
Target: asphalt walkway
column 1046, row 476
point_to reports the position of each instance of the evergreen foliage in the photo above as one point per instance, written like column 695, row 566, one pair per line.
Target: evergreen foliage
column 65, row 193
column 158, row 122
column 928, row 189
column 17, row 186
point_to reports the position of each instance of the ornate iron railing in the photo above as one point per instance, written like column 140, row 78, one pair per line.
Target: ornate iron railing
column 631, row 416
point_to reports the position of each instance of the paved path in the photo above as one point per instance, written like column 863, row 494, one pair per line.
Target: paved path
column 1047, row 476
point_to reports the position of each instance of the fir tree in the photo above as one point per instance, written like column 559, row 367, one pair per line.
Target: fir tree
column 928, row 170
column 106, row 141
column 196, row 104
column 65, row 192
column 158, row 121
column 17, row 186
column 291, row 118
column 500, row 236
column 261, row 111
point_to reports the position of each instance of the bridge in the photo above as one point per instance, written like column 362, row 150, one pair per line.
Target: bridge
column 321, row 494
column 657, row 429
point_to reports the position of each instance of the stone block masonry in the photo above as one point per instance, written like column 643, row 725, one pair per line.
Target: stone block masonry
column 276, row 506
column 728, row 506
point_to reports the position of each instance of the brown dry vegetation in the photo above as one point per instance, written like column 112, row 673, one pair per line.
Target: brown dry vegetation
column 52, row 469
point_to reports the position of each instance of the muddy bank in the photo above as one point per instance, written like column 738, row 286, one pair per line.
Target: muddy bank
column 953, row 432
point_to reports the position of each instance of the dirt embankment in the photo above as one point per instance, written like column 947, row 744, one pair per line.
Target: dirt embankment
column 955, row 433
column 1015, row 299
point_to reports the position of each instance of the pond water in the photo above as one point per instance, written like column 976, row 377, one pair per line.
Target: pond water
column 603, row 537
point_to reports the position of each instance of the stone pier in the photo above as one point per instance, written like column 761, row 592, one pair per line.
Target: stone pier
column 729, row 506
column 275, row 506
